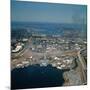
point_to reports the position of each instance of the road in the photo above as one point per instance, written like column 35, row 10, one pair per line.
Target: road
column 83, row 67
column 82, row 60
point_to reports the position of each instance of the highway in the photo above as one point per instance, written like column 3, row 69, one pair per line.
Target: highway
column 81, row 60
column 83, row 67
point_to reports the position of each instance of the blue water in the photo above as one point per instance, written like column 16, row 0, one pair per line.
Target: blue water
column 35, row 77
column 48, row 28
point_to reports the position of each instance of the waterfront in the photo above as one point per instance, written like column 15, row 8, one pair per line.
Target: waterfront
column 48, row 45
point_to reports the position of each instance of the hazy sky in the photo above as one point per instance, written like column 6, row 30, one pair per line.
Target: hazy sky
column 46, row 12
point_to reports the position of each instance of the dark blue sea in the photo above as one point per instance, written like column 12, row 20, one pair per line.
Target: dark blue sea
column 49, row 28
column 36, row 76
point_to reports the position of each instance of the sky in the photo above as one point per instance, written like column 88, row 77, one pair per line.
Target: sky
column 22, row 11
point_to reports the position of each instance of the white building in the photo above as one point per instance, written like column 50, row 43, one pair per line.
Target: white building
column 18, row 48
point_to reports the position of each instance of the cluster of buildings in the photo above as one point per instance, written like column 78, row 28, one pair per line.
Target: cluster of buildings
column 18, row 45
column 66, row 62
column 51, row 48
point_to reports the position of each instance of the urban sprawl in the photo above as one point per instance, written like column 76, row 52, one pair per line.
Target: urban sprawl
column 67, row 53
